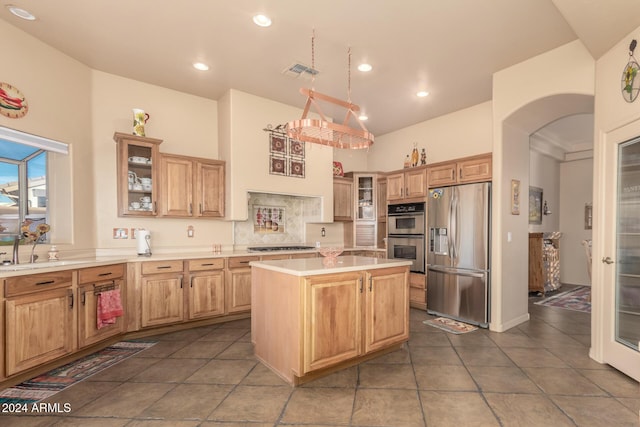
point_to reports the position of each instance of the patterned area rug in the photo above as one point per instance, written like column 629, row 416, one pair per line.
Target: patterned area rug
column 450, row 325
column 58, row 379
column 575, row 299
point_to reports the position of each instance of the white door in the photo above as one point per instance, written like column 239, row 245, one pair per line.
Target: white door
column 619, row 258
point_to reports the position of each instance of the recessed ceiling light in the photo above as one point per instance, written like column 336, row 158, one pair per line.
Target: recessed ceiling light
column 365, row 68
column 262, row 20
column 363, row 117
column 21, row 13
column 422, row 93
column 200, row 66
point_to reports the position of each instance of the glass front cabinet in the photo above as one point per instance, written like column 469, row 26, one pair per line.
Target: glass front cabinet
column 137, row 166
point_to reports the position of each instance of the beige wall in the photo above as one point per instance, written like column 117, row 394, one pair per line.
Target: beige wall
column 58, row 90
column 544, row 172
column 560, row 77
column 245, row 147
column 185, row 123
column 443, row 137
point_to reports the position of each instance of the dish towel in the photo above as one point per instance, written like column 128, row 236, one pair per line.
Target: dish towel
column 109, row 307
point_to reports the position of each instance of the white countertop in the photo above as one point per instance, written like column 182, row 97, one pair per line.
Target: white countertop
column 315, row 266
column 45, row 266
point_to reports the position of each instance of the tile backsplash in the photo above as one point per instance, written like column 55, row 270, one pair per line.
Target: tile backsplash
column 297, row 210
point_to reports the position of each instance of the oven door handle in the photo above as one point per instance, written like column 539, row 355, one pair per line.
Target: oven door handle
column 455, row 271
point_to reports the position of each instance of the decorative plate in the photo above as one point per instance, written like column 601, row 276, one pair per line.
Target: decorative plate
column 13, row 104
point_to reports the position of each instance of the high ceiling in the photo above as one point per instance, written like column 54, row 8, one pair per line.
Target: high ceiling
column 450, row 48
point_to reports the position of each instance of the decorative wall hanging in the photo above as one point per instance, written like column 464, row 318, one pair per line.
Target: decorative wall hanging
column 286, row 155
column 13, row 103
column 535, row 205
column 268, row 219
column 630, row 84
column 515, row 197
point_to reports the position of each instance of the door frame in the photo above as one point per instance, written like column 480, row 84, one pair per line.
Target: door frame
column 604, row 348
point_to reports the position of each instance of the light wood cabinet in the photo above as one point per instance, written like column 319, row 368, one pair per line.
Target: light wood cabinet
column 460, row 171
column 407, row 184
column 417, row 290
column 206, row 288
column 91, row 281
column 191, row 187
column 238, row 284
column 382, row 198
column 342, row 199
column 162, row 293
column 137, row 164
column 40, row 318
column 303, row 327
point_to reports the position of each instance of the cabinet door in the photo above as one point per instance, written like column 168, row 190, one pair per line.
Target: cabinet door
column 238, row 290
column 382, row 199
column 342, row 199
column 365, row 207
column 209, row 189
column 387, row 308
column 475, row 170
column 416, row 183
column 137, row 166
column 88, row 332
column 39, row 328
column 442, row 175
column 417, row 290
column 395, row 186
column 332, row 319
column 162, row 300
column 176, row 186
column 206, row 294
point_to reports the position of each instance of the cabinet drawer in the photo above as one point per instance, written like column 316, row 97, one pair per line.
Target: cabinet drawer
column 37, row 282
column 417, row 295
column 417, row 281
column 205, row 264
column 98, row 274
column 242, row 261
column 154, row 267
column 274, row 257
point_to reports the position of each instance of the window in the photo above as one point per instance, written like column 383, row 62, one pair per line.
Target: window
column 23, row 180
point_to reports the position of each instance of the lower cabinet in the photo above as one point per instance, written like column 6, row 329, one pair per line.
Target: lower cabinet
column 91, row 282
column 238, row 284
column 40, row 317
column 418, row 290
column 206, row 288
column 352, row 314
column 162, row 293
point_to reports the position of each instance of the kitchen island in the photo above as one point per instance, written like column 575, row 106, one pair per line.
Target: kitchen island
column 309, row 319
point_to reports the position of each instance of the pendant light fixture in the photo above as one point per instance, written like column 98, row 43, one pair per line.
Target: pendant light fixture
column 325, row 132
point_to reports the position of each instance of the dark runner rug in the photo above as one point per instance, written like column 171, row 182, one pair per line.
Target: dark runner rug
column 56, row 380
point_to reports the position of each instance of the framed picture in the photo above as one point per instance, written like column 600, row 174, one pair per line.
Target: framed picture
column 277, row 165
column 296, row 148
column 515, row 197
column 296, row 168
column 535, row 205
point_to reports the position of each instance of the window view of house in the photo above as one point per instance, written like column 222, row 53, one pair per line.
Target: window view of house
column 23, row 187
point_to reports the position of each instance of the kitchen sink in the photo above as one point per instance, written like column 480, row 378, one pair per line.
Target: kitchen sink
column 39, row 265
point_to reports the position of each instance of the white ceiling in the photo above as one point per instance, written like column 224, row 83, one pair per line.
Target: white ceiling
column 449, row 47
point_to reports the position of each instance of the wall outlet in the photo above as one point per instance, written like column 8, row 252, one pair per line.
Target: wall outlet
column 190, row 231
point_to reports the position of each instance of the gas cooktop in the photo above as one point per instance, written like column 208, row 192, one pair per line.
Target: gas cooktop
column 278, row 248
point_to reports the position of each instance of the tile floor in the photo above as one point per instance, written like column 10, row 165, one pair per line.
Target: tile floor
column 538, row 374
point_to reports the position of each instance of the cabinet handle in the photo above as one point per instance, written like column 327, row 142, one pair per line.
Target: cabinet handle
column 360, row 279
column 370, row 283
column 460, row 173
column 191, row 282
column 453, row 174
column 71, row 296
column 206, row 264
column 163, row 266
column 155, row 207
column 200, row 205
column 190, row 209
column 105, row 274
column 84, row 298
column 401, row 192
column 46, row 282
column 181, row 279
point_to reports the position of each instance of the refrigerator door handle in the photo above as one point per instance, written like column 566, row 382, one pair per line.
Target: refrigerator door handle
column 455, row 271
column 453, row 222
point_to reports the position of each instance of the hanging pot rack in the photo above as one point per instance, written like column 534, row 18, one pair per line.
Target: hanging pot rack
column 326, row 132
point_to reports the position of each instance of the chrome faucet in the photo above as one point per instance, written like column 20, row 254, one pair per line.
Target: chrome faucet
column 16, row 245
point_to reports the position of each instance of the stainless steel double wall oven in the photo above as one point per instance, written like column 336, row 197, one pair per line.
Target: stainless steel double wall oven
column 406, row 234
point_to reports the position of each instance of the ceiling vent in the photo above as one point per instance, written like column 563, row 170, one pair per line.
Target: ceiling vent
column 298, row 70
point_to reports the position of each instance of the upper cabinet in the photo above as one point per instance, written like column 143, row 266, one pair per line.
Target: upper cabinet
column 342, row 199
column 137, row 167
column 151, row 183
column 407, row 184
column 382, row 198
column 470, row 169
column 191, row 187
column 365, row 208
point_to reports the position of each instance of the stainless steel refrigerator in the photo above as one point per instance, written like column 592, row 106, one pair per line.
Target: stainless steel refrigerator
column 458, row 274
